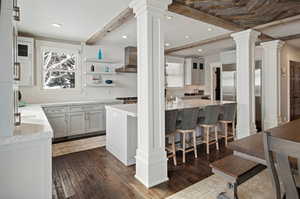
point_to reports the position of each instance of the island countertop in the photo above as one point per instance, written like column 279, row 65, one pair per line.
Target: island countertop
column 34, row 126
column 131, row 109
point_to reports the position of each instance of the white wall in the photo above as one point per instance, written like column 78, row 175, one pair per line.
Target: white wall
column 289, row 53
column 126, row 83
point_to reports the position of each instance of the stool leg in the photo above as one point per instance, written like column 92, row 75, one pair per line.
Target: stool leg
column 195, row 144
column 183, row 148
column 207, row 139
column 174, row 150
column 226, row 133
column 216, row 137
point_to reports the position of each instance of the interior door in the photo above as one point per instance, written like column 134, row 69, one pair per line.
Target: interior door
column 294, row 90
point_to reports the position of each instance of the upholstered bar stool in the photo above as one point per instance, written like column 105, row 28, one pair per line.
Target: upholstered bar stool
column 170, row 129
column 228, row 117
column 187, row 124
column 211, row 118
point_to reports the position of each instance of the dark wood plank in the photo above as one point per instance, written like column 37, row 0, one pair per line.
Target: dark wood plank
column 98, row 174
column 253, row 145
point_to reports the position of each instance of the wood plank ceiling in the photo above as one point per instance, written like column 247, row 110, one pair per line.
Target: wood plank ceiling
column 246, row 13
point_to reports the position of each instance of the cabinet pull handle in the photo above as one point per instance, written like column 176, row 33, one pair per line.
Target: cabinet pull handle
column 17, row 71
column 17, row 119
column 17, row 13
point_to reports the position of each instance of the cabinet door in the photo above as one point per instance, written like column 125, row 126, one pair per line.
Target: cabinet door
column 96, row 121
column 76, row 123
column 59, row 124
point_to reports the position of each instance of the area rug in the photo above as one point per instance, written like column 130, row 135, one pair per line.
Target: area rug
column 258, row 187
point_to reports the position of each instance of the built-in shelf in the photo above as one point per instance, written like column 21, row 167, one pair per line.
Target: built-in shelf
column 100, row 85
column 107, row 61
column 101, row 73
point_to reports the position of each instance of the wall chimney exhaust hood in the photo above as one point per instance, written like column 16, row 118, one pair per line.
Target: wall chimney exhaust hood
column 130, row 61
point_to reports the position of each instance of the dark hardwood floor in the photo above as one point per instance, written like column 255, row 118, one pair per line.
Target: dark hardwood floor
column 96, row 174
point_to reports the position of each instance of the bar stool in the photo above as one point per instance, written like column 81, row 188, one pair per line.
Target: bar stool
column 211, row 118
column 228, row 117
column 186, row 126
column 170, row 129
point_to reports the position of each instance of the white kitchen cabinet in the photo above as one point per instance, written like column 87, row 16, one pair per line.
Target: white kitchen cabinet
column 26, row 59
column 194, row 71
column 59, row 124
column 77, row 123
column 95, row 121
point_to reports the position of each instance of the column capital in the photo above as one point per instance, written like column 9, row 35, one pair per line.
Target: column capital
column 250, row 33
column 139, row 6
column 273, row 44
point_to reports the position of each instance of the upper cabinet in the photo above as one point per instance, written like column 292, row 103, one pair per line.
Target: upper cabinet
column 25, row 47
column 194, row 71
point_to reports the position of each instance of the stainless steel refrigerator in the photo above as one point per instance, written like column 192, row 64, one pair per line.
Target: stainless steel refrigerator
column 228, row 87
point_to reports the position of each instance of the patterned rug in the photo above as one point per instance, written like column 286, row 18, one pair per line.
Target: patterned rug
column 258, row 187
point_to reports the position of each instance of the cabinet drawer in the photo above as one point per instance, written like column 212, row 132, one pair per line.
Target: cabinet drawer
column 76, row 108
column 56, row 109
column 93, row 107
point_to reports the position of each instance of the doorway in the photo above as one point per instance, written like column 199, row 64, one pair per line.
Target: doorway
column 294, row 90
column 218, row 84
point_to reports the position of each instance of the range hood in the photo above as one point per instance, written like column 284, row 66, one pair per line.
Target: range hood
column 130, row 65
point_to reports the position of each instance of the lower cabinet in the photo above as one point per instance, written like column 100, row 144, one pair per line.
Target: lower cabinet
column 95, row 121
column 77, row 123
column 71, row 120
column 59, row 124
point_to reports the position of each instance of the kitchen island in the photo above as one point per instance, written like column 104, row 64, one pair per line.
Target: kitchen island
column 121, row 139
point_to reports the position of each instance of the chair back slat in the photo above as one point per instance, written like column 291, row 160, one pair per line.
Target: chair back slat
column 211, row 114
column 188, row 118
column 170, row 121
column 229, row 112
column 283, row 150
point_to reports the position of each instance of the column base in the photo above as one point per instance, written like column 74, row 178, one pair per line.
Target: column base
column 245, row 131
column 151, row 169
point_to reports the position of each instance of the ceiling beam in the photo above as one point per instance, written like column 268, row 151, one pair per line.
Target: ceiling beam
column 199, row 43
column 115, row 23
column 202, row 16
column 278, row 22
column 289, row 37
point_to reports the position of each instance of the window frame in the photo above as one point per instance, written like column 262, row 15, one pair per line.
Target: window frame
column 77, row 71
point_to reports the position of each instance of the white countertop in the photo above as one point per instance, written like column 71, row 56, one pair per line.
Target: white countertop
column 102, row 101
column 34, row 126
column 131, row 109
column 34, row 123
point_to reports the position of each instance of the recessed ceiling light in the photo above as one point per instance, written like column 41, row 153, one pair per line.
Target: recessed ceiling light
column 209, row 29
column 187, row 37
column 124, row 36
column 200, row 50
column 169, row 17
column 167, row 44
column 56, row 25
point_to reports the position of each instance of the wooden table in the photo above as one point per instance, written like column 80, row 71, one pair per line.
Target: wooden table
column 252, row 148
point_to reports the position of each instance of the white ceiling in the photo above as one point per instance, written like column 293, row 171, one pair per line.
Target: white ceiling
column 79, row 18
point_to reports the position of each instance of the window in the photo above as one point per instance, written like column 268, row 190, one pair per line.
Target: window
column 59, row 67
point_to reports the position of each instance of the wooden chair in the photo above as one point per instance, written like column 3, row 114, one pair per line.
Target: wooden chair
column 211, row 117
column 282, row 152
column 170, row 129
column 187, row 123
column 228, row 117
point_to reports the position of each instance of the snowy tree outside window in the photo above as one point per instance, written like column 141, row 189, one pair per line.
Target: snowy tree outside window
column 59, row 68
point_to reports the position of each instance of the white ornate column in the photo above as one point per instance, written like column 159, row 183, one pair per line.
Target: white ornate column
column 151, row 159
column 245, row 60
column 271, row 76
